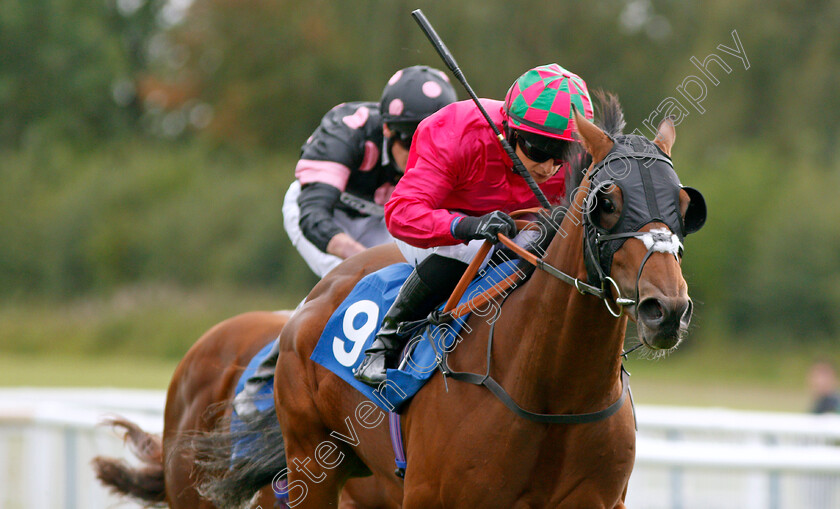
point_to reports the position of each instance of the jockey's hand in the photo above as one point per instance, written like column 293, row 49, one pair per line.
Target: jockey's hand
column 485, row 227
column 343, row 246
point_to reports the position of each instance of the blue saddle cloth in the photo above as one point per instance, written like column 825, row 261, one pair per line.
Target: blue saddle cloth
column 265, row 396
column 263, row 400
column 351, row 330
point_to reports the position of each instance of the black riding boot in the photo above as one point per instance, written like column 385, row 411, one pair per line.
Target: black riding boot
column 414, row 301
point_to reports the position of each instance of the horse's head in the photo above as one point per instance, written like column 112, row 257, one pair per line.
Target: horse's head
column 636, row 215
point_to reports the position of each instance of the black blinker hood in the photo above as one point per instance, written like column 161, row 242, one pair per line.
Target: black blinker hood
column 651, row 193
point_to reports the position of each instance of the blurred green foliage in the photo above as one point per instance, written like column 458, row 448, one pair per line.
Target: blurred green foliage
column 145, row 143
column 79, row 221
column 137, row 321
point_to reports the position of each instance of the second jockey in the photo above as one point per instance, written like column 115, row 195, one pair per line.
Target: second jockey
column 349, row 166
column 347, row 170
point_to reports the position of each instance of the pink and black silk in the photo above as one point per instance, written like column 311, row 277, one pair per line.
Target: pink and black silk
column 344, row 154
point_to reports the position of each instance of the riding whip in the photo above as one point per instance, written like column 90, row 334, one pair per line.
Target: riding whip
column 449, row 60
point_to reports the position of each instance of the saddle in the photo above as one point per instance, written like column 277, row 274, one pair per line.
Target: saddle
column 352, row 327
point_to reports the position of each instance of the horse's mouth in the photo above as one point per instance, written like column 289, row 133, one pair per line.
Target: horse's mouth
column 662, row 340
column 663, row 322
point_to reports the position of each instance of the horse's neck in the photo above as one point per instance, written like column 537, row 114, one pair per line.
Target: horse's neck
column 568, row 348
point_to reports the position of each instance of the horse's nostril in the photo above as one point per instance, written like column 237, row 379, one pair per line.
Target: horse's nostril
column 665, row 315
column 650, row 311
column 685, row 318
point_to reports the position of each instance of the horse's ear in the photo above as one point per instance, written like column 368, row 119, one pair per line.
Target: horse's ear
column 665, row 135
column 594, row 140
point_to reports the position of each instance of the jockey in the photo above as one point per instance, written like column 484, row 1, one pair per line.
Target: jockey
column 459, row 186
column 346, row 172
column 349, row 166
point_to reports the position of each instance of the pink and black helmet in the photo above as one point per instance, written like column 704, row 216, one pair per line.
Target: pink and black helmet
column 413, row 94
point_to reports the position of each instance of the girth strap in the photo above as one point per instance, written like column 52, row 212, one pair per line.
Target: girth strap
column 493, row 386
column 504, row 397
column 450, row 312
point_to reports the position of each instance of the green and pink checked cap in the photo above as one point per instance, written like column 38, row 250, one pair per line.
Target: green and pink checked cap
column 541, row 100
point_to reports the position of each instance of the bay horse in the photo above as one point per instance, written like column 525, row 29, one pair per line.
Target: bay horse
column 198, row 400
column 556, row 354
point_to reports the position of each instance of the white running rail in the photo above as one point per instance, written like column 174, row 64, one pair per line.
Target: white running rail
column 686, row 457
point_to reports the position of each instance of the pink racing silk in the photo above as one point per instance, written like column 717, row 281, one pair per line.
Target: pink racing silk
column 457, row 167
column 335, row 174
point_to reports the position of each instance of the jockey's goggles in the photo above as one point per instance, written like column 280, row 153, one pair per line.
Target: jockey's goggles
column 402, row 132
column 403, row 138
column 540, row 148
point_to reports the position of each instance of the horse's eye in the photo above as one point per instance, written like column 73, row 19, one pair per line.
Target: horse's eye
column 607, row 206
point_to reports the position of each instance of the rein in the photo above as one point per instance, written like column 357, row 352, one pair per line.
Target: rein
column 450, row 312
column 584, row 288
column 655, row 241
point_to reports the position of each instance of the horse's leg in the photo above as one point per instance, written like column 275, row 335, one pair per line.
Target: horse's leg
column 420, row 501
column 620, row 504
column 205, row 377
column 315, row 474
column 311, row 403
column 365, row 493
column 180, row 482
column 311, row 486
column 318, row 463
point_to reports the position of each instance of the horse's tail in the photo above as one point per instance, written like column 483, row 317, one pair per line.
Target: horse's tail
column 145, row 483
column 231, row 482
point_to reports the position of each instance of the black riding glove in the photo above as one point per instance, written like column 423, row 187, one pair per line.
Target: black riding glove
column 485, row 227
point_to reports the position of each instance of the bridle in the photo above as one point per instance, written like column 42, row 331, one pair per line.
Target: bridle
column 650, row 188
column 597, row 259
column 599, row 247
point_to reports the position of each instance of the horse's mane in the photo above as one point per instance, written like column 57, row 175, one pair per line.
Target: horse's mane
column 611, row 120
column 612, row 116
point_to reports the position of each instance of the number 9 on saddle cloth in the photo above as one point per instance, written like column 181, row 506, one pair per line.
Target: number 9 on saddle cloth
column 361, row 320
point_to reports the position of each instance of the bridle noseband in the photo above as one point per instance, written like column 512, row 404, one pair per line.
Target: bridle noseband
column 661, row 192
column 649, row 196
column 651, row 192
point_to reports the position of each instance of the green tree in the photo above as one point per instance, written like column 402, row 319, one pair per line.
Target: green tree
column 68, row 67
